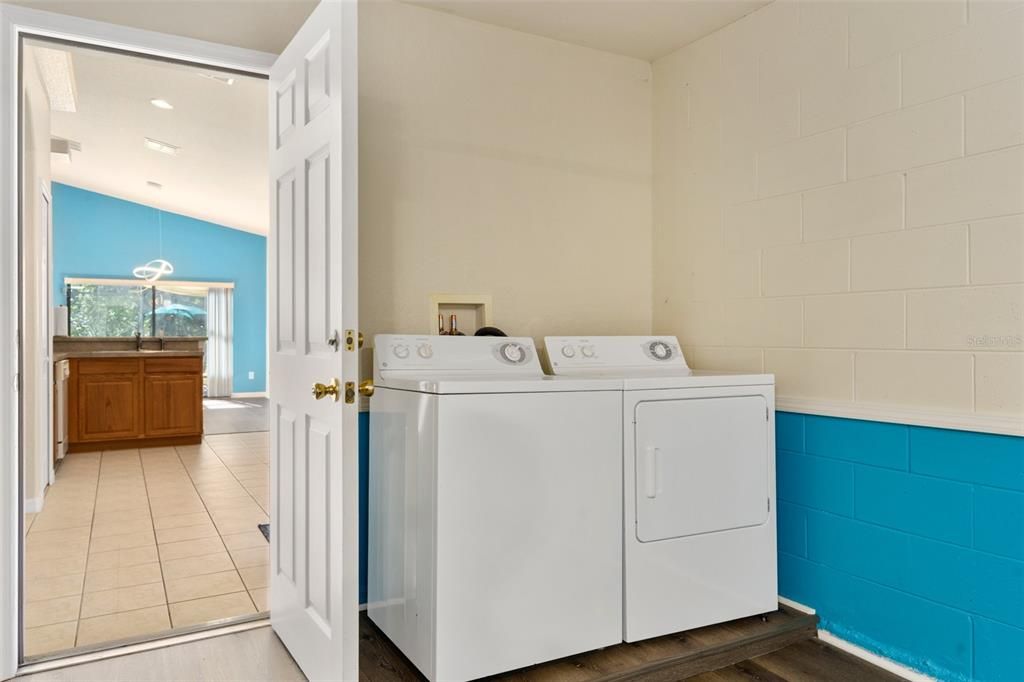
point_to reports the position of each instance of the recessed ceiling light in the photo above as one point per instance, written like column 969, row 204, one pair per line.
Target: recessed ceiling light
column 162, row 147
column 161, row 104
column 220, row 78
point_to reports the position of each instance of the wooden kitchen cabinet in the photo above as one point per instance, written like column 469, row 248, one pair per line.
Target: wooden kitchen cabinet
column 107, row 399
column 173, row 390
column 134, row 402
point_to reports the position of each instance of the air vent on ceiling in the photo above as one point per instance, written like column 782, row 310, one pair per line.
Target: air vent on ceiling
column 154, row 185
column 219, row 77
column 60, row 149
column 162, row 147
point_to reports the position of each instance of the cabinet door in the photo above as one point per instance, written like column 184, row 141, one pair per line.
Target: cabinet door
column 108, row 407
column 174, row 404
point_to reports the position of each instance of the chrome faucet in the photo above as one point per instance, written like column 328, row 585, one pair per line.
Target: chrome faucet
column 138, row 340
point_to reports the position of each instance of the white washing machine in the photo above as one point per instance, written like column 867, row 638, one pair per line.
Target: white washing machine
column 495, row 497
column 699, row 483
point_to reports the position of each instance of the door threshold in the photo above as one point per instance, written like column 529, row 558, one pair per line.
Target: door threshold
column 102, row 652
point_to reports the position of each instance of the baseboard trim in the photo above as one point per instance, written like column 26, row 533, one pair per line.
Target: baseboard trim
column 252, row 394
column 873, row 658
column 33, row 505
column 797, row 606
column 1009, row 426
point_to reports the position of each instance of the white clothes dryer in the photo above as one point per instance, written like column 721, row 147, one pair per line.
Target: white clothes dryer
column 699, row 483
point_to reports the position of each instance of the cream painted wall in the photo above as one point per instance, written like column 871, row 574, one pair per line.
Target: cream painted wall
column 36, row 145
column 839, row 199
column 496, row 162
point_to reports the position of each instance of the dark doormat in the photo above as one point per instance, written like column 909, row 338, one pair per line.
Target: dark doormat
column 265, row 529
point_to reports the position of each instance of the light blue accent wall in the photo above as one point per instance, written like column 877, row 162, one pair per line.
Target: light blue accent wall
column 95, row 235
column 908, row 541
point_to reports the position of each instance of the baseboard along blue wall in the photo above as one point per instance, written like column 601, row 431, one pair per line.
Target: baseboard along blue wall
column 908, row 541
column 95, row 235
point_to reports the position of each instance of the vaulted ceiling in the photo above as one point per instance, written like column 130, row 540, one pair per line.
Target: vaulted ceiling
column 220, row 172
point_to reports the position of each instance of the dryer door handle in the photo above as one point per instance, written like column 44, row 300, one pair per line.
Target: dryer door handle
column 652, row 471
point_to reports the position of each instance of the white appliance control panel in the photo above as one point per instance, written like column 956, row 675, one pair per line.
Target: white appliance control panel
column 568, row 353
column 456, row 354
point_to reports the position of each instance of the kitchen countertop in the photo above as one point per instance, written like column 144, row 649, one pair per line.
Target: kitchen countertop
column 67, row 355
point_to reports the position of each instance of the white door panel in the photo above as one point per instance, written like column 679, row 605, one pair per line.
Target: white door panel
column 701, row 466
column 312, row 261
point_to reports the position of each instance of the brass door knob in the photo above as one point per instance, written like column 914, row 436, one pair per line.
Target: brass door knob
column 321, row 391
column 366, row 387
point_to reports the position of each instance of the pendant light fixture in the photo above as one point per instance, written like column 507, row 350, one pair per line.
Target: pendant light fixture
column 157, row 268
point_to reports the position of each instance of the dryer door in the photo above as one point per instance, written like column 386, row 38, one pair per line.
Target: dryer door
column 701, row 466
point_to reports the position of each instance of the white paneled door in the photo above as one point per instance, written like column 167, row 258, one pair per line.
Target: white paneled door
column 313, row 298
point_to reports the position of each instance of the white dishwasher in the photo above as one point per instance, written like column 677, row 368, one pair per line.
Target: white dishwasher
column 61, row 372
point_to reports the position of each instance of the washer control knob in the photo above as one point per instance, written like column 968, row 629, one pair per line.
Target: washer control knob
column 660, row 350
column 568, row 351
column 401, row 351
column 425, row 351
column 588, row 351
column 512, row 353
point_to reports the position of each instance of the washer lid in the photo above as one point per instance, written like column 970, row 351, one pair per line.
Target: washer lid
column 476, row 383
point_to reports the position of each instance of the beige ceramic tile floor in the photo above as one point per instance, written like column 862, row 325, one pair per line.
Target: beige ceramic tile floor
column 132, row 542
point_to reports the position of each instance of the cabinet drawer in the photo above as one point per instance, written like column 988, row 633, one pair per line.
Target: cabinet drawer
column 174, row 365
column 107, row 365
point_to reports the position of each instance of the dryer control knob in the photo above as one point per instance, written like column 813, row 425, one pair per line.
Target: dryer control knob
column 568, row 351
column 660, row 350
column 401, row 351
column 512, row 352
column 588, row 351
column 425, row 351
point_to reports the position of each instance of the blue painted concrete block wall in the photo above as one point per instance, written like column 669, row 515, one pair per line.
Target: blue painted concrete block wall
column 907, row 540
column 95, row 235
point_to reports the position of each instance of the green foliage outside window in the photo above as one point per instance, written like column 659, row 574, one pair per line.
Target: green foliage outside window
column 124, row 310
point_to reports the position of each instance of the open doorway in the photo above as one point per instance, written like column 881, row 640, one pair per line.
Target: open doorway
column 146, row 445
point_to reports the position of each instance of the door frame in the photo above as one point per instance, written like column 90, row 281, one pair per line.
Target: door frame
column 44, row 374
column 16, row 23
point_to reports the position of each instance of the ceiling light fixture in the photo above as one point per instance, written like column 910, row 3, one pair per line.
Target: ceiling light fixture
column 161, row 104
column 162, row 147
column 158, row 267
